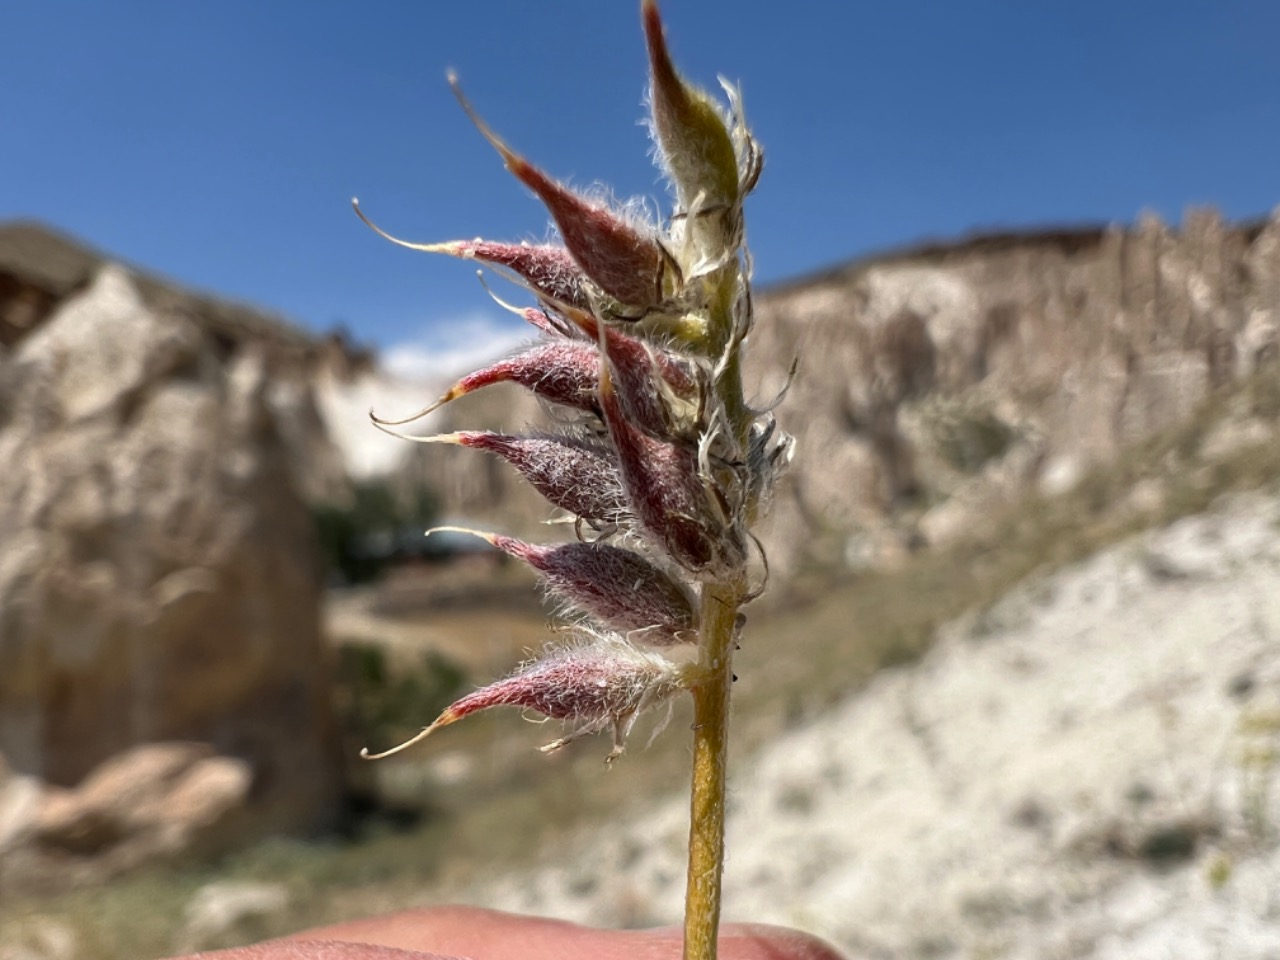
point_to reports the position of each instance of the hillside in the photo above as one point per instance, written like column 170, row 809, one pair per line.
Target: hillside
column 962, row 757
column 970, row 414
column 940, row 381
column 1085, row 769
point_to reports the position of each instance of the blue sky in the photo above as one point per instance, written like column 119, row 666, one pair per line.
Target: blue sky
column 219, row 143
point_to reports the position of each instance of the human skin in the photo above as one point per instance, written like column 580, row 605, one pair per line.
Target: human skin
column 468, row 932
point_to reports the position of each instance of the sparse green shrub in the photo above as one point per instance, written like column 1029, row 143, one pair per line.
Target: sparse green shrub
column 969, row 440
column 358, row 539
column 1259, row 761
column 380, row 700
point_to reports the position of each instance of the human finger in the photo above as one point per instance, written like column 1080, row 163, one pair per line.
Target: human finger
column 489, row 935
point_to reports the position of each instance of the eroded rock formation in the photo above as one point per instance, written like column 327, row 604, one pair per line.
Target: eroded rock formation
column 159, row 577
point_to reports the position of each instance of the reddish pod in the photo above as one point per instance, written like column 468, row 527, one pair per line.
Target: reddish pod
column 548, row 269
column 668, row 493
column 625, row 262
column 574, row 475
column 616, row 587
column 658, row 388
column 562, row 371
column 594, row 684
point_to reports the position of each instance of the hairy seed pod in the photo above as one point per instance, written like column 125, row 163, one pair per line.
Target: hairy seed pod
column 653, row 401
column 624, row 262
column 627, row 263
column 573, row 474
column 668, row 493
column 549, row 270
column 658, row 388
column 617, row 587
column 584, row 683
column 562, row 371
column 594, row 684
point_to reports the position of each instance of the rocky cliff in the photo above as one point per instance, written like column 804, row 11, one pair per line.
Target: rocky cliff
column 160, row 585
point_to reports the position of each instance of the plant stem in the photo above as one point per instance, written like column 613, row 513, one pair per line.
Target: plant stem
column 710, row 755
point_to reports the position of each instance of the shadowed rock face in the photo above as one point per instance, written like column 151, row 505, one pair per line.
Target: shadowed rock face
column 159, row 579
column 944, row 381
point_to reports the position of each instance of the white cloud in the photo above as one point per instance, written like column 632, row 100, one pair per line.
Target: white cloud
column 453, row 347
column 412, row 373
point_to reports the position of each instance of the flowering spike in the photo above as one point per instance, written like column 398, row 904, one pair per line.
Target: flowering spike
column 667, row 454
column 626, row 263
column 695, row 143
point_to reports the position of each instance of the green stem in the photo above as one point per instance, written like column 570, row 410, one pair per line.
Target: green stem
column 710, row 756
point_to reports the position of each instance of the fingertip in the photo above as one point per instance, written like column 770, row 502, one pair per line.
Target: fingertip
column 761, row 942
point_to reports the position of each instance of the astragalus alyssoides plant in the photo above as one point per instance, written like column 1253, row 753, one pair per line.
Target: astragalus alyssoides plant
column 658, row 457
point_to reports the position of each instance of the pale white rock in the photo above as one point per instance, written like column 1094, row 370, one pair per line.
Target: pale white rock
column 218, row 909
column 41, row 937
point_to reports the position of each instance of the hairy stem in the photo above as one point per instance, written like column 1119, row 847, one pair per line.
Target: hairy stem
column 710, row 756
